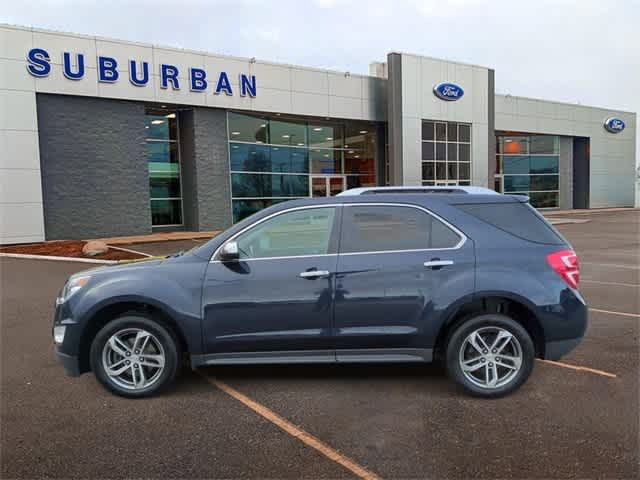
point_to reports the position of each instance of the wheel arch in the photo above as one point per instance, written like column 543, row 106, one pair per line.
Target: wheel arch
column 511, row 305
column 109, row 311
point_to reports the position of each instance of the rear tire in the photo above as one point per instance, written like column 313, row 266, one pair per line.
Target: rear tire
column 134, row 356
column 490, row 355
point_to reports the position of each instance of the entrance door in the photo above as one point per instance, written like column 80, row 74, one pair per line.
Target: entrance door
column 327, row 185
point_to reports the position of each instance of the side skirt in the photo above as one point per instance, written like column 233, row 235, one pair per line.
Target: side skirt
column 377, row 355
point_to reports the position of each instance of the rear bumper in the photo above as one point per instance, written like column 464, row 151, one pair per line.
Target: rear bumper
column 70, row 363
column 558, row 349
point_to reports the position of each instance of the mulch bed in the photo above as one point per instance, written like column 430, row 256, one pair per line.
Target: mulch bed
column 67, row 248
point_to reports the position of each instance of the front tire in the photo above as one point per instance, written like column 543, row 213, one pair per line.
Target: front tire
column 134, row 356
column 490, row 355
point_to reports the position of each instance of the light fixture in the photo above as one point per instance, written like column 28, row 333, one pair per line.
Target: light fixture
column 357, row 156
column 317, row 129
column 146, row 126
column 234, row 146
column 346, row 146
column 326, row 155
column 163, row 106
column 259, row 141
column 508, row 140
column 329, row 138
column 235, row 133
column 276, row 148
column 301, row 144
column 363, row 131
column 263, row 125
column 170, row 115
column 156, row 122
column 351, row 151
column 286, row 136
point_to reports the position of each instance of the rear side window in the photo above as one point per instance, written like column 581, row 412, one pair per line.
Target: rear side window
column 379, row 228
column 519, row 219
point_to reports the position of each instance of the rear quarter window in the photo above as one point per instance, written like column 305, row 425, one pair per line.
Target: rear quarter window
column 519, row 219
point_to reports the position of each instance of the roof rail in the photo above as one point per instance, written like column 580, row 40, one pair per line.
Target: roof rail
column 419, row 189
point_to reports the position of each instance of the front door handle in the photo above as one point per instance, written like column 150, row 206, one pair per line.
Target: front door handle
column 438, row 263
column 314, row 274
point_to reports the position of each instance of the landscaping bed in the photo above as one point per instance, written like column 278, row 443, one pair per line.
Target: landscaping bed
column 68, row 248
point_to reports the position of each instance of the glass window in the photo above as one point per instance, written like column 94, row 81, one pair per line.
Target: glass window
column 441, row 171
column 441, row 132
column 464, row 171
column 301, row 232
column 166, row 212
column 452, row 171
column 427, row 131
column 389, row 228
column 441, row 151
column 428, row 151
column 355, row 181
column 428, row 170
column 163, row 160
column 514, row 145
column 516, row 218
column 544, row 144
column 246, row 128
column 326, row 136
column 544, row 182
column 325, row 161
column 269, row 185
column 452, row 152
column 161, row 126
column 452, row 132
column 288, row 133
column 246, row 157
column 356, row 162
column 464, row 152
column 516, row 183
column 289, row 159
column 544, row 164
column 464, row 133
column 515, row 164
column 244, row 208
column 544, row 199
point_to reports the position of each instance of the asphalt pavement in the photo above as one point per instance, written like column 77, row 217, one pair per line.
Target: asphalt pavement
column 396, row 421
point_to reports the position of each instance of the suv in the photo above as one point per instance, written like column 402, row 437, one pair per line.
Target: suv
column 481, row 283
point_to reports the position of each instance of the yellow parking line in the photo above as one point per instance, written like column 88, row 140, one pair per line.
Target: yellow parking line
column 624, row 314
column 294, row 431
column 582, row 369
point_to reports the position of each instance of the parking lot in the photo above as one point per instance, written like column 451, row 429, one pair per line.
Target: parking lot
column 574, row 419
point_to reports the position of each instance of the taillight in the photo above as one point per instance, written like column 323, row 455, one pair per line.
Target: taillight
column 565, row 263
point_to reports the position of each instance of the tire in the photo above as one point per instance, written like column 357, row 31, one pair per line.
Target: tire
column 464, row 348
column 133, row 375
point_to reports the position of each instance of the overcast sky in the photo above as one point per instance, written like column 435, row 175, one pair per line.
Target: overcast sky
column 585, row 51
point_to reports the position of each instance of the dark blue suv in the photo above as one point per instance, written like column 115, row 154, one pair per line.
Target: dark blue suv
column 481, row 283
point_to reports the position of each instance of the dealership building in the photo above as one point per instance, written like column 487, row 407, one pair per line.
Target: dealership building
column 102, row 137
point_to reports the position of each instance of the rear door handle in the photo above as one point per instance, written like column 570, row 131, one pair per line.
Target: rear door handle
column 314, row 274
column 438, row 263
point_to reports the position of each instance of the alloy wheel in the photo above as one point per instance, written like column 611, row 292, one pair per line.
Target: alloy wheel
column 490, row 357
column 133, row 358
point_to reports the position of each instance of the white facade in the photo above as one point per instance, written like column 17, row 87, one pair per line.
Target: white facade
column 293, row 90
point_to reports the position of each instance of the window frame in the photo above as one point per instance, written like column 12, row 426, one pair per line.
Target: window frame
column 333, row 235
column 457, row 246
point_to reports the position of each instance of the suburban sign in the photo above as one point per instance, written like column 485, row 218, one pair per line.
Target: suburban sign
column 448, row 91
column 108, row 71
column 614, row 125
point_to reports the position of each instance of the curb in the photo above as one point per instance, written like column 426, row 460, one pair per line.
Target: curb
column 128, row 250
column 57, row 259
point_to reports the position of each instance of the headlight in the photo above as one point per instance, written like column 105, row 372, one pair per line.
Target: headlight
column 73, row 285
column 58, row 333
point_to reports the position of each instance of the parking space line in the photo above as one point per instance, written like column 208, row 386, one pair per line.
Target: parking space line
column 624, row 314
column 612, row 265
column 582, row 369
column 294, row 431
column 618, row 284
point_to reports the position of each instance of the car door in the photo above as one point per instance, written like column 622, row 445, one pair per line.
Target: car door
column 399, row 267
column 275, row 302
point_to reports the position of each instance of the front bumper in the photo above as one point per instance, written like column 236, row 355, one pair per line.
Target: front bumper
column 71, row 363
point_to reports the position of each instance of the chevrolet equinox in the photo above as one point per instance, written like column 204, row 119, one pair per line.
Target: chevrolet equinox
column 479, row 282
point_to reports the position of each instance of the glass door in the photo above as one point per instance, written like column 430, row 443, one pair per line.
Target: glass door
column 327, row 185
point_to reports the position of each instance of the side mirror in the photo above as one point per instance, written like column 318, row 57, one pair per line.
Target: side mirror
column 230, row 251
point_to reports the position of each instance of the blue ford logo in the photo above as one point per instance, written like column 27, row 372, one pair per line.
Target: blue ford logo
column 614, row 125
column 448, row 91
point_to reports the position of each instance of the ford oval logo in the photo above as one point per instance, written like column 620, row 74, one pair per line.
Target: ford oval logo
column 614, row 125
column 448, row 91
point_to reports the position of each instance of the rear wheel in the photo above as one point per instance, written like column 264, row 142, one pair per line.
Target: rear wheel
column 134, row 356
column 490, row 355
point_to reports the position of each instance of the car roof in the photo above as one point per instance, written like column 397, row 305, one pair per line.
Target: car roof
column 404, row 189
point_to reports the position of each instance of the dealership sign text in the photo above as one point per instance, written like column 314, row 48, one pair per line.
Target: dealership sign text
column 108, row 71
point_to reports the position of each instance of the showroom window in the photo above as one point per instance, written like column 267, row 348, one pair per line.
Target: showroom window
column 529, row 165
column 446, row 153
column 274, row 158
column 163, row 159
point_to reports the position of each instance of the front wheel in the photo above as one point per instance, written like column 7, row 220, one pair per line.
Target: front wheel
column 490, row 355
column 134, row 356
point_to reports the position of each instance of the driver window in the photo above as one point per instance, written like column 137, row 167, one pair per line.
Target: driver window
column 301, row 232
